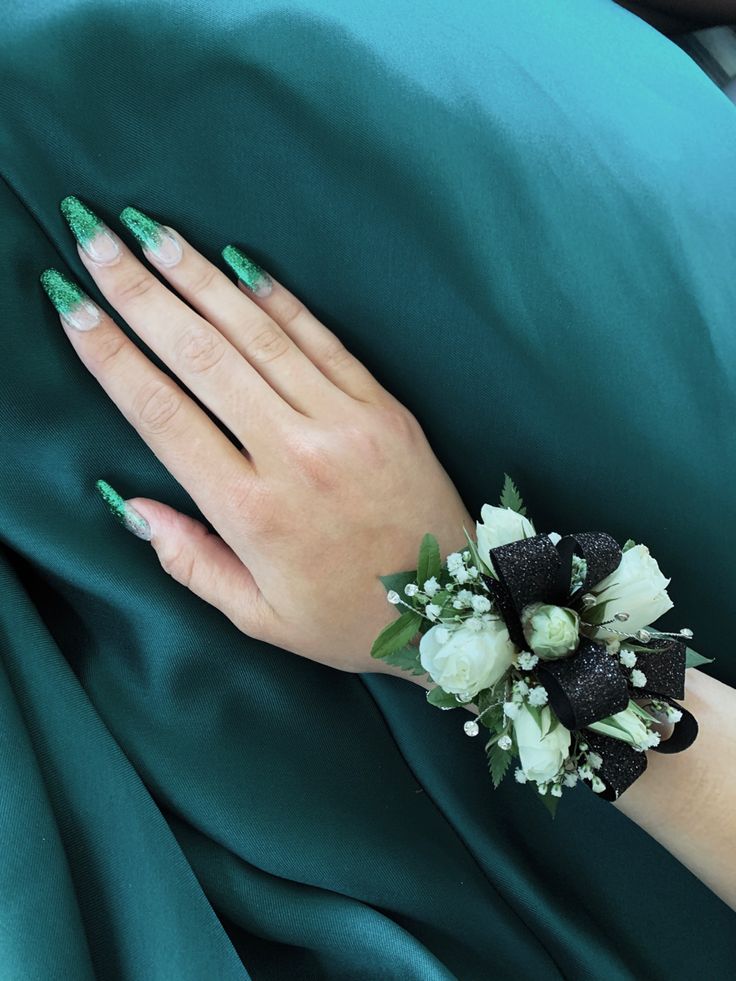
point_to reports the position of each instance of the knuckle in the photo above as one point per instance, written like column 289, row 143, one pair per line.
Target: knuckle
column 290, row 311
column 203, row 281
column 133, row 285
column 178, row 561
column 336, row 357
column 315, row 463
column 200, row 350
column 268, row 345
column 156, row 405
column 110, row 345
column 399, row 421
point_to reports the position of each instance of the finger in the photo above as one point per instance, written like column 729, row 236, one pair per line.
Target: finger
column 204, row 360
column 188, row 443
column 205, row 564
column 319, row 343
column 248, row 328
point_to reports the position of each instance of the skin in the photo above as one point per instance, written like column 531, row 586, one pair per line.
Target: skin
column 331, row 485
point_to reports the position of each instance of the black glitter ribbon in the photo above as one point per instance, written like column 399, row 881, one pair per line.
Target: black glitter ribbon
column 589, row 684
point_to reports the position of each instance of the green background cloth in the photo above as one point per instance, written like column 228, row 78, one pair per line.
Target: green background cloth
column 522, row 217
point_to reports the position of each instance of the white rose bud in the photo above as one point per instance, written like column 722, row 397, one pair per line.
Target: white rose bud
column 630, row 729
column 636, row 587
column 499, row 526
column 541, row 757
column 550, row 631
column 470, row 659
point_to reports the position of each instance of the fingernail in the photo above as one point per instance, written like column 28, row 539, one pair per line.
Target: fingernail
column 90, row 231
column 153, row 236
column 125, row 513
column 72, row 303
column 248, row 271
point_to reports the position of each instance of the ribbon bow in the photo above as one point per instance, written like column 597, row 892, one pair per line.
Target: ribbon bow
column 589, row 684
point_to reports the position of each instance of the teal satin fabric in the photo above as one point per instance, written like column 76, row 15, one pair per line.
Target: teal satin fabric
column 521, row 216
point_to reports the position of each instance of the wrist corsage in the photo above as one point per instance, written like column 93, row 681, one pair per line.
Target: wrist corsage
column 550, row 637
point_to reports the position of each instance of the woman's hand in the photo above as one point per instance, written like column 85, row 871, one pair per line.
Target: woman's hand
column 330, row 482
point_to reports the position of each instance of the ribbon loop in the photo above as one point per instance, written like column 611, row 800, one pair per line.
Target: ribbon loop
column 585, row 687
column 664, row 667
column 622, row 764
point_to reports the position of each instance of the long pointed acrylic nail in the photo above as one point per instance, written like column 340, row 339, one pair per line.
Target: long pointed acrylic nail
column 125, row 513
column 157, row 239
column 248, row 271
column 75, row 307
column 91, row 232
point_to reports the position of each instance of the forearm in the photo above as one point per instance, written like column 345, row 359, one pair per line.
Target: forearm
column 687, row 801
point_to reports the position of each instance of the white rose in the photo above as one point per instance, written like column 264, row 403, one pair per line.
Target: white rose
column 499, row 526
column 636, row 587
column 550, row 631
column 541, row 756
column 628, row 727
column 469, row 660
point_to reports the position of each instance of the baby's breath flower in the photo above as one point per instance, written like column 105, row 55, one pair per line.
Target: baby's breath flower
column 520, row 689
column 570, row 779
column 595, row 761
column 598, row 785
column 510, row 709
column 538, row 695
column 627, row 658
column 519, row 776
column 527, row 660
column 431, row 586
column 556, row 790
column 638, row 678
column 433, row 611
column 481, row 604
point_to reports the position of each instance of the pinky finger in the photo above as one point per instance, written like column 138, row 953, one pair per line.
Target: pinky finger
column 196, row 558
column 319, row 343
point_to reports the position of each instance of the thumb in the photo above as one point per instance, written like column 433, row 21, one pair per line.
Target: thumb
column 195, row 557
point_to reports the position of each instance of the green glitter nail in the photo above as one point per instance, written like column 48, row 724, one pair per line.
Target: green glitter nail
column 90, row 231
column 84, row 223
column 71, row 302
column 146, row 230
column 63, row 293
column 248, row 271
column 125, row 513
column 153, row 236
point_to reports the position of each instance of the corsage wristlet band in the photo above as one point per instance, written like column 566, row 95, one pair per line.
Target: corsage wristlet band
column 551, row 639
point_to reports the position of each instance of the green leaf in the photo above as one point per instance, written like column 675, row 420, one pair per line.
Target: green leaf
column 550, row 802
column 536, row 713
column 510, row 497
column 406, row 658
column 694, row 660
column 498, row 762
column 429, row 562
column 396, row 634
column 476, row 560
column 397, row 581
column 490, row 709
column 442, row 699
column 629, row 543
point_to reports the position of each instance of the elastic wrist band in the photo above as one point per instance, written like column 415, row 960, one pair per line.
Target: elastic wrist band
column 551, row 639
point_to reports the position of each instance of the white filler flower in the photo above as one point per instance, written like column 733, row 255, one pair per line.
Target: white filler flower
column 636, row 587
column 499, row 526
column 469, row 660
column 541, row 757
